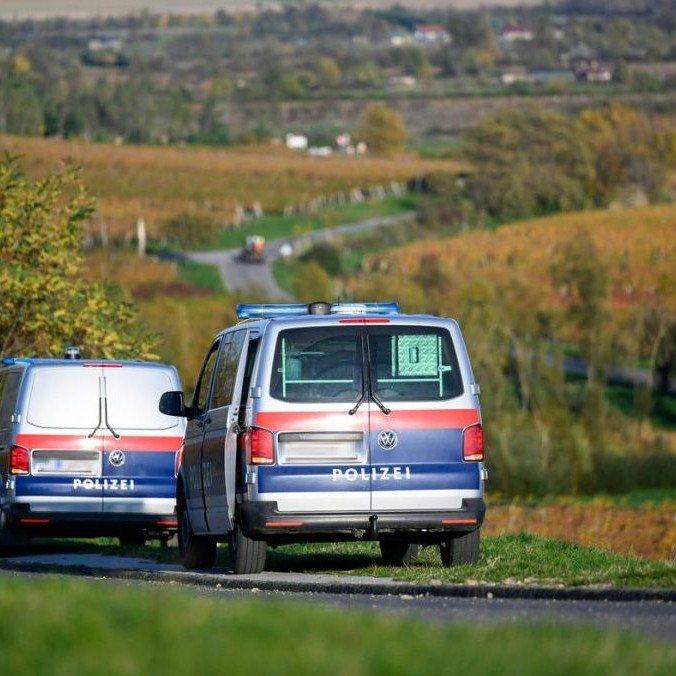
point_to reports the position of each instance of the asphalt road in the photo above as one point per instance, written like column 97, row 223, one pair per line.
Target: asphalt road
column 652, row 618
column 239, row 276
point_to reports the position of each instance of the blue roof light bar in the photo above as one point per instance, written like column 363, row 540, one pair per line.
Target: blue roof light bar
column 10, row 361
column 270, row 310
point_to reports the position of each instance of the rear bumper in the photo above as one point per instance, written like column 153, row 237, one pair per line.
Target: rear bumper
column 20, row 518
column 263, row 521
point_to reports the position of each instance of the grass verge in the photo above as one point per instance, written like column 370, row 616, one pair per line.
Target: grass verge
column 504, row 559
column 92, row 628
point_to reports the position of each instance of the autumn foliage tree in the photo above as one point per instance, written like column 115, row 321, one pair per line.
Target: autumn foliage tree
column 382, row 129
column 44, row 304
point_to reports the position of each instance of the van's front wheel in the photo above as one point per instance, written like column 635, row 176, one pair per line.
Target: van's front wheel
column 458, row 550
column 247, row 556
column 193, row 551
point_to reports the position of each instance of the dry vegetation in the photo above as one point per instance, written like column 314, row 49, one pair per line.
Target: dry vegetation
column 637, row 246
column 159, row 182
column 647, row 531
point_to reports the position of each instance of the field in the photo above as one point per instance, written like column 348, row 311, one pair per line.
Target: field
column 637, row 246
column 157, row 183
column 83, row 8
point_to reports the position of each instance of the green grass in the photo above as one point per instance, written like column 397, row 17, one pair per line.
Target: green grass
column 202, row 275
column 277, row 226
column 662, row 406
column 505, row 559
column 647, row 497
column 68, row 627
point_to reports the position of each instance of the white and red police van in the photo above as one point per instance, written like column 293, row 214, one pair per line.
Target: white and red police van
column 331, row 422
column 85, row 451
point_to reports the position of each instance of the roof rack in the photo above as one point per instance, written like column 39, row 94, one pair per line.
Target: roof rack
column 271, row 310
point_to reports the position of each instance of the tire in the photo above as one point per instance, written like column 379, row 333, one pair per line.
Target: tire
column 247, row 556
column 132, row 539
column 10, row 540
column 460, row 550
column 193, row 551
column 398, row 552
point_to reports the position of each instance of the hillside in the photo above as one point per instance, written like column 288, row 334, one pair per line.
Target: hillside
column 160, row 182
column 637, row 248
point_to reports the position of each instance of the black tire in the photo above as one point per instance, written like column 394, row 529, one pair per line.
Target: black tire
column 193, row 551
column 10, row 540
column 398, row 552
column 132, row 539
column 247, row 556
column 461, row 549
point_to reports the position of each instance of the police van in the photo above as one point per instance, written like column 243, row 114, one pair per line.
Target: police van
column 85, row 451
column 331, row 422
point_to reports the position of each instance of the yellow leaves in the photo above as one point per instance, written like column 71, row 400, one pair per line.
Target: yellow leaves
column 21, row 65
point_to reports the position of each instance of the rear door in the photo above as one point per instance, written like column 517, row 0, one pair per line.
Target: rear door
column 62, row 428
column 416, row 449
column 317, row 410
column 220, row 431
column 140, row 443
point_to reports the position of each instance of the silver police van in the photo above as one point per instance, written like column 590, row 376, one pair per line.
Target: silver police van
column 331, row 422
column 85, row 451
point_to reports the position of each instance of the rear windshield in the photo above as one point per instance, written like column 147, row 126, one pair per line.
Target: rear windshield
column 413, row 363
column 65, row 397
column 318, row 365
column 407, row 363
column 133, row 398
column 68, row 398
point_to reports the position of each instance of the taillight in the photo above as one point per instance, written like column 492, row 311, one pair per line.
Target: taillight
column 259, row 446
column 473, row 444
column 19, row 460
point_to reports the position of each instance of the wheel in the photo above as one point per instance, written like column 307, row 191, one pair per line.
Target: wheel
column 458, row 550
column 398, row 552
column 9, row 540
column 132, row 539
column 193, row 551
column 247, row 556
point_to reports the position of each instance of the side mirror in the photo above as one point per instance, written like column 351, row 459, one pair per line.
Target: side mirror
column 172, row 403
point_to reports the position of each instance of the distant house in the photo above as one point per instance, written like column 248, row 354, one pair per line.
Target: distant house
column 514, row 32
column 592, row 71
column 104, row 44
column 513, row 74
column 296, row 141
column 401, row 39
column 431, row 34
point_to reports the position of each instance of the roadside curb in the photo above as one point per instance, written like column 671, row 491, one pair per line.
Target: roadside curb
column 225, row 580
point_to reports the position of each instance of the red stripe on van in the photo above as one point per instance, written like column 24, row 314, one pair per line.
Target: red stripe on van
column 72, row 442
column 332, row 421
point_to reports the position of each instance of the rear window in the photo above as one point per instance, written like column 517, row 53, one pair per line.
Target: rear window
column 133, row 398
column 411, row 363
column 315, row 365
column 65, row 397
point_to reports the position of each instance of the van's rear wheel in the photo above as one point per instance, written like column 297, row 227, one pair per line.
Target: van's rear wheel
column 247, row 556
column 398, row 552
column 459, row 550
column 193, row 551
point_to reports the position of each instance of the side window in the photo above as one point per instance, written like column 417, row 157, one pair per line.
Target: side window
column 3, row 383
column 9, row 389
column 226, row 372
column 202, row 389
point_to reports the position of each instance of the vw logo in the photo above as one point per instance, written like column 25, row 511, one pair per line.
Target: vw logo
column 116, row 458
column 387, row 440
